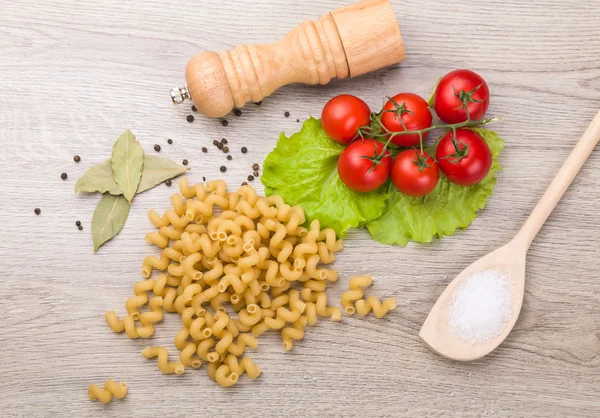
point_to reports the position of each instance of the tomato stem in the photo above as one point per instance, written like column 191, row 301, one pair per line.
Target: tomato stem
column 391, row 135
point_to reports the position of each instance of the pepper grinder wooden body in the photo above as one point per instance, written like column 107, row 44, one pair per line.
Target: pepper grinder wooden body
column 350, row 41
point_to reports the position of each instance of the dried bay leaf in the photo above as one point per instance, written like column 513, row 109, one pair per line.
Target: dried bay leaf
column 158, row 169
column 155, row 170
column 109, row 217
column 99, row 178
column 127, row 161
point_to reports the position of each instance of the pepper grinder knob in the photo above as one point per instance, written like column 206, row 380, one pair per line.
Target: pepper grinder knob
column 180, row 94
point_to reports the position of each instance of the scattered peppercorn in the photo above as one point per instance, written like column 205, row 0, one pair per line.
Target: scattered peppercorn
column 215, row 142
column 258, row 103
column 203, row 178
column 169, row 141
column 157, row 148
column 224, row 122
column 168, row 183
column 229, row 157
column 63, row 176
column 190, row 118
column 250, row 177
column 297, row 120
column 78, row 223
column 255, row 167
column 184, row 162
column 244, row 183
column 226, row 149
column 204, row 149
column 224, row 140
column 77, row 158
column 286, row 114
column 223, row 169
column 220, row 145
column 37, row 211
column 256, row 174
column 80, row 227
column 194, row 108
column 244, row 150
column 237, row 112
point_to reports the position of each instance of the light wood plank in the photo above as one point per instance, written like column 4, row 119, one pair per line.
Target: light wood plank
column 73, row 75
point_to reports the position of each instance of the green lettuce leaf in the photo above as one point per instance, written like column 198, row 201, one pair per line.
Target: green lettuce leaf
column 439, row 213
column 303, row 170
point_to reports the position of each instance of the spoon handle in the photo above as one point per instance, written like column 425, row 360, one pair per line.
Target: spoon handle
column 561, row 182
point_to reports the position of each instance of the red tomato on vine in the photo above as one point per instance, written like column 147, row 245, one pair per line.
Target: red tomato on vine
column 406, row 112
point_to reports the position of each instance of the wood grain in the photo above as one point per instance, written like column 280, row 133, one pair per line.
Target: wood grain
column 74, row 75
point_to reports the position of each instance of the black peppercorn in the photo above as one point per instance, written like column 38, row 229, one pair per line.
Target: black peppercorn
column 168, row 183
column 224, row 122
column 224, row 140
column 244, row 183
column 286, row 114
column 220, row 145
column 190, row 118
column 37, row 211
column 77, row 158
column 78, row 223
column 157, row 148
column 63, row 176
column 225, row 149
column 203, row 178
column 250, row 177
column 244, row 150
column 297, row 120
column 255, row 167
column 169, row 141
column 215, row 142
column 237, row 112
column 229, row 157
column 194, row 108
column 256, row 174
column 80, row 228
column 184, row 162
column 204, row 149
column 223, row 169
column 258, row 103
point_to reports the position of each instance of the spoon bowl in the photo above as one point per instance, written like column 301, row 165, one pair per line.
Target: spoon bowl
column 508, row 259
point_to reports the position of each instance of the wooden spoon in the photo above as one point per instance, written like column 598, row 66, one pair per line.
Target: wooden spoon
column 509, row 259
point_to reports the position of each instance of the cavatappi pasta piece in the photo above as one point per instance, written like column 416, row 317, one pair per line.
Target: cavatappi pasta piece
column 225, row 377
column 111, row 388
column 164, row 365
column 292, row 333
column 148, row 319
column 363, row 307
column 360, row 282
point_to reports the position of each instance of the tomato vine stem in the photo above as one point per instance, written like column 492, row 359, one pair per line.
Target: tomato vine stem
column 391, row 135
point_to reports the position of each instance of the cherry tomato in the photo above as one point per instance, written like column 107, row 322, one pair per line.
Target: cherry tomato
column 456, row 86
column 417, row 117
column 355, row 166
column 343, row 115
column 415, row 174
column 470, row 164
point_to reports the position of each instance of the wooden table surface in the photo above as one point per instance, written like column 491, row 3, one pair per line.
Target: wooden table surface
column 74, row 75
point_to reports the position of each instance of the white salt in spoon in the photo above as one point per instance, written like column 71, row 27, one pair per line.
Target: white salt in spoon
column 509, row 260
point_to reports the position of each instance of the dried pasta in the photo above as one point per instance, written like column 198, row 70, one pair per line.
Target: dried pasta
column 111, row 388
column 352, row 300
column 164, row 365
column 363, row 307
column 233, row 265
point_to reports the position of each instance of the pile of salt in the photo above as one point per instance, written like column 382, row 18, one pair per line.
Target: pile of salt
column 481, row 306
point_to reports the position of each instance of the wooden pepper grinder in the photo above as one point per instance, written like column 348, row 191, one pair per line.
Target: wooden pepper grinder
column 346, row 42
